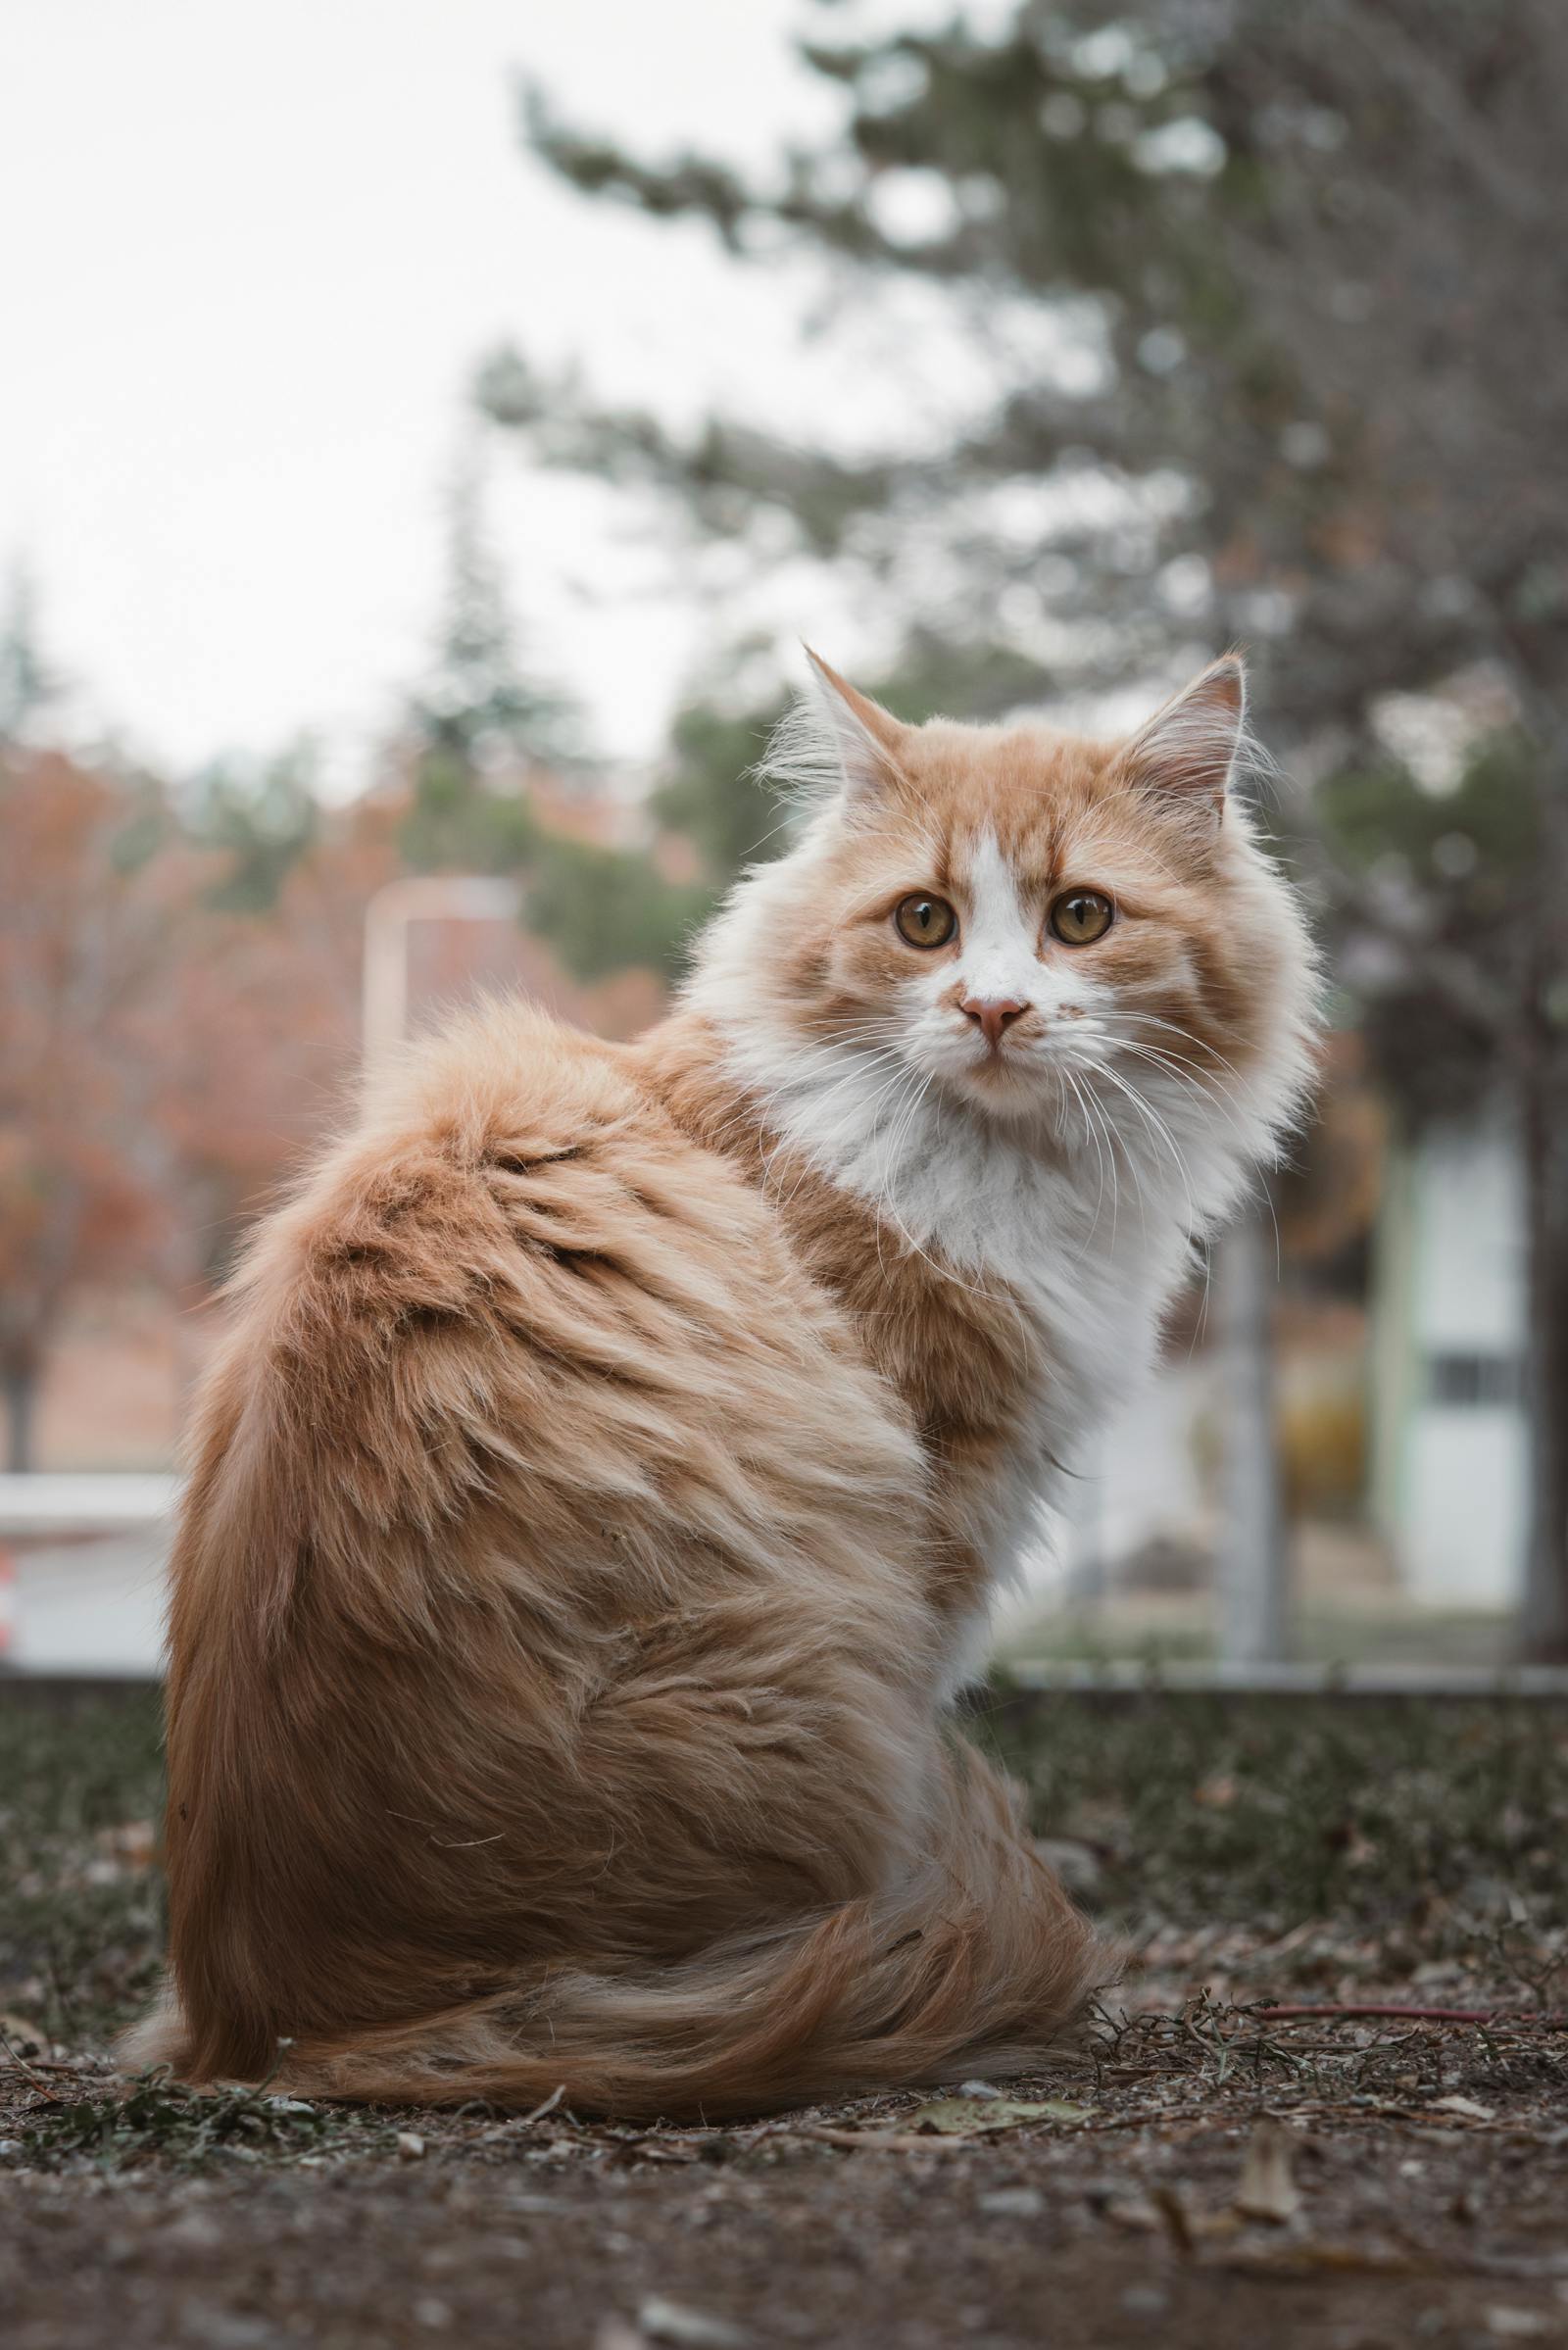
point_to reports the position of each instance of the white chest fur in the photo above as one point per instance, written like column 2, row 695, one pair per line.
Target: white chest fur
column 1084, row 1232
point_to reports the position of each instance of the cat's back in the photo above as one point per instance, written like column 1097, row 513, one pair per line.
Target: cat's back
column 518, row 1287
column 506, row 1145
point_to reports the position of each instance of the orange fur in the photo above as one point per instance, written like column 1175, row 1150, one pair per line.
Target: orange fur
column 583, row 1514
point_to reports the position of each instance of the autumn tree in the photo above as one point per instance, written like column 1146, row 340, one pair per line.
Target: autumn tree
column 258, row 817
column 94, row 889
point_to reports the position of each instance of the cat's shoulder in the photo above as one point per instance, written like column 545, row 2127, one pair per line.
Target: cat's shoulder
column 502, row 1067
column 506, row 1127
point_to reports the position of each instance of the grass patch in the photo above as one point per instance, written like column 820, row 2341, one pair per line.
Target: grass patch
column 1429, row 1830
column 1183, row 1630
column 81, row 1928
column 159, row 2120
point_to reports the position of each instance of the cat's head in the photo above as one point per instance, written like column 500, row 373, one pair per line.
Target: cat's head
column 1018, row 918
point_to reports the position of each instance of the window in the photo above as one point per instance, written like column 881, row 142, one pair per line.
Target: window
column 1474, row 1382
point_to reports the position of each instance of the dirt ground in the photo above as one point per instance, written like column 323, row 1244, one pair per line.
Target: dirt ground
column 1203, row 2173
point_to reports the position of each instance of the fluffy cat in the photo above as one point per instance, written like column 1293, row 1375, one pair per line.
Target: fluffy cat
column 616, row 1448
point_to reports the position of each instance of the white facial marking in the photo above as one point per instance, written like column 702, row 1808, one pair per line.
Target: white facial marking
column 1003, row 957
column 999, row 950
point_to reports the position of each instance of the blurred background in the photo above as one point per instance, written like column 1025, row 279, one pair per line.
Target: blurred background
column 424, row 434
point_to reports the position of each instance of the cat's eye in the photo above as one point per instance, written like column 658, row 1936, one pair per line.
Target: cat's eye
column 925, row 922
column 1080, row 916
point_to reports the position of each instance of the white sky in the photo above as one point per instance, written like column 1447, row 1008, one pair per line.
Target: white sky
column 252, row 258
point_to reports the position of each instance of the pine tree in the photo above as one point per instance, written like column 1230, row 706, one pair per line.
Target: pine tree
column 29, row 685
column 480, row 723
column 1291, row 294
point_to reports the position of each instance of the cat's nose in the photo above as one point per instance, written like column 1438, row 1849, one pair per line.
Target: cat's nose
column 992, row 1015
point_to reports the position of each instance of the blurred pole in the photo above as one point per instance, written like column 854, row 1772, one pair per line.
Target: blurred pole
column 1542, row 1631
column 424, row 898
column 1252, row 1593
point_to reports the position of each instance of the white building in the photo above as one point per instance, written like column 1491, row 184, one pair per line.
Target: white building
column 1449, row 1436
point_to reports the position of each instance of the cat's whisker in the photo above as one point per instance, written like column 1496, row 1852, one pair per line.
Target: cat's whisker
column 1089, row 1071
column 944, row 1272
column 1080, row 1097
column 1158, row 1127
column 863, row 1062
column 856, row 1074
column 1200, row 1325
column 1213, row 1092
column 1204, row 1073
column 1255, row 1182
column 1210, row 1052
column 1104, row 1126
column 1180, row 1074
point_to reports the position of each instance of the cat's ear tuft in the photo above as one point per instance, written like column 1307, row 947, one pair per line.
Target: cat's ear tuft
column 835, row 743
column 1188, row 750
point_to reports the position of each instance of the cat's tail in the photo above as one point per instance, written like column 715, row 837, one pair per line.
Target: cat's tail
column 981, row 1960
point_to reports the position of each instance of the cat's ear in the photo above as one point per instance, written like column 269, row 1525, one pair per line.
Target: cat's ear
column 1188, row 751
column 856, row 737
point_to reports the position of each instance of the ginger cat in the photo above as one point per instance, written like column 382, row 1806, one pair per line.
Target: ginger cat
column 616, row 1448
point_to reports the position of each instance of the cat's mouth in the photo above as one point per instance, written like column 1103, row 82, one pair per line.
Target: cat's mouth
column 1016, row 1073
column 1001, row 1061
column 1015, row 1051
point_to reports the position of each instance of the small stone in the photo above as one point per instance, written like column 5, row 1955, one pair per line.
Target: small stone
column 410, row 2146
column 1077, row 1865
column 194, row 2230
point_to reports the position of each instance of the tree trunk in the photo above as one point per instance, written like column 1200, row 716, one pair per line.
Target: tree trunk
column 1252, row 1574
column 19, row 1381
column 1544, row 1608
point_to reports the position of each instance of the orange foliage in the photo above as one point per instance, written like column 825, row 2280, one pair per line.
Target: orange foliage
column 165, row 1063
column 84, row 946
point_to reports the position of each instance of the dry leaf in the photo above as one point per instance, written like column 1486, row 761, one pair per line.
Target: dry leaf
column 663, row 2321
column 1509, row 2325
column 968, row 2117
column 1217, row 1793
column 1134, row 2211
column 1267, row 2190
column 134, row 1843
column 1176, row 2217
column 1466, row 2106
column 1294, row 2258
column 1011, row 2203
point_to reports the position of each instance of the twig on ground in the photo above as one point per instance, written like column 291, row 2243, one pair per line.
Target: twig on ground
column 35, row 2076
column 1552, row 2020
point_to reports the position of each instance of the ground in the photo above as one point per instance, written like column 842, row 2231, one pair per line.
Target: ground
column 1204, row 2172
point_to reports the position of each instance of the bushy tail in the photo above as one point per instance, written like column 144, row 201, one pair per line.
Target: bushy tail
column 981, row 1960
